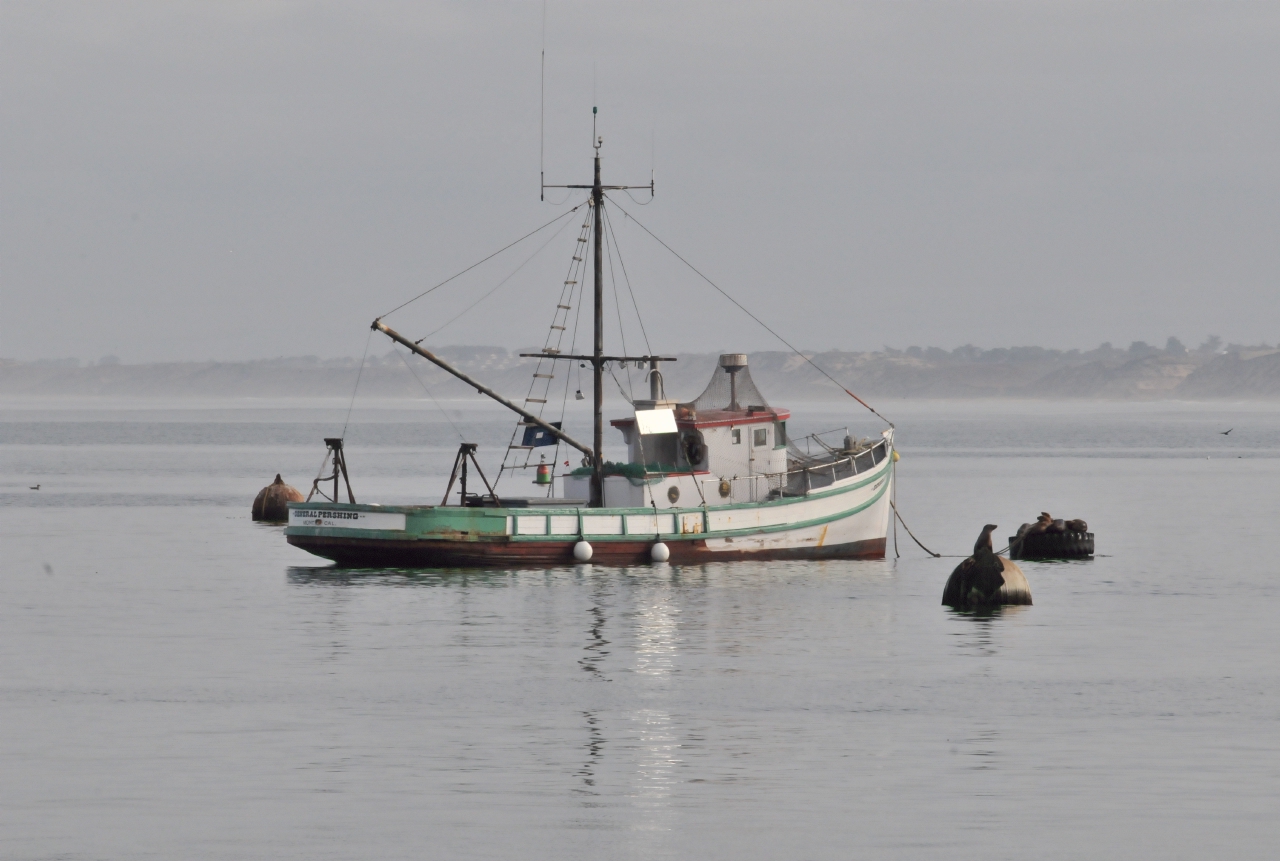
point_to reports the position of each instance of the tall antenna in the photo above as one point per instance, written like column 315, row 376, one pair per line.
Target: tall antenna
column 653, row 153
column 542, row 113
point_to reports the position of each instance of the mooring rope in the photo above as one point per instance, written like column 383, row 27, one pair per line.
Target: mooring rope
column 912, row 534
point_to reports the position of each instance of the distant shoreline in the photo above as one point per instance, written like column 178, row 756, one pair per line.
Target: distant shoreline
column 1140, row 373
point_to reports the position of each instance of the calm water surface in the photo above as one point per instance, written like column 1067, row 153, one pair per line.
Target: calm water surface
column 176, row 682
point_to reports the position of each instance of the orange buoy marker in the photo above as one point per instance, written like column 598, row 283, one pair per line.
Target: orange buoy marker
column 271, row 503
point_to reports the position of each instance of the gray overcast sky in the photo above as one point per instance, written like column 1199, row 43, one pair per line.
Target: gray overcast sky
column 245, row 180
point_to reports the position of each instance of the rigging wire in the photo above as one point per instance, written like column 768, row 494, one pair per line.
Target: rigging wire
column 351, row 406
column 490, row 257
column 609, row 248
column 496, row 286
column 744, row 310
column 571, row 284
column 573, row 348
column 637, row 202
column 608, row 223
column 628, row 398
column 443, row 411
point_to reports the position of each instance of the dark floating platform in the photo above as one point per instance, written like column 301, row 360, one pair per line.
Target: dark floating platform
column 1052, row 545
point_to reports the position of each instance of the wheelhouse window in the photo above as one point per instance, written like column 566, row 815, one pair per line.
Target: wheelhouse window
column 736, row 434
column 760, row 438
column 779, row 434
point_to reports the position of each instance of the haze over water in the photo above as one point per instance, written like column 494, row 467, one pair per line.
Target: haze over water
column 175, row 681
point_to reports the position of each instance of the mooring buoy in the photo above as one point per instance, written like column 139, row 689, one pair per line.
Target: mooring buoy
column 985, row 580
column 271, row 505
column 1050, row 538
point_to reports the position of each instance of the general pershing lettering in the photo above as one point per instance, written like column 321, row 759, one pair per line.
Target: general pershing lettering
column 329, row 515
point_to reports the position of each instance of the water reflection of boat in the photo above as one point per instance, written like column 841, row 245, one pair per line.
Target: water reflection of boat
column 713, row 478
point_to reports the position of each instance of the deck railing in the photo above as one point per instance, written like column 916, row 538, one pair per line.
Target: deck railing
column 795, row 482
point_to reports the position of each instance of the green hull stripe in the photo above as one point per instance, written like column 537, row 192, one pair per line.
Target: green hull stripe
column 719, row 533
column 417, row 530
column 397, row 535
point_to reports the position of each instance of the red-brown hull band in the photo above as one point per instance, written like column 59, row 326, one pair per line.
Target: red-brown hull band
column 501, row 553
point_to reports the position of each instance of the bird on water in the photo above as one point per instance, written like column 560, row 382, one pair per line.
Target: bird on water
column 36, row 487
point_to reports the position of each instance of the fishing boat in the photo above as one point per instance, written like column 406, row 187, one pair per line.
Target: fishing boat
column 712, row 478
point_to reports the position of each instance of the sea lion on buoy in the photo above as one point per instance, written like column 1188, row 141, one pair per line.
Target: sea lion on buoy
column 1042, row 523
column 1077, row 526
column 985, row 579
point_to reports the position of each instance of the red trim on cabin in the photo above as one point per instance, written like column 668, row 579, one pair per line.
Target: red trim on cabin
column 721, row 418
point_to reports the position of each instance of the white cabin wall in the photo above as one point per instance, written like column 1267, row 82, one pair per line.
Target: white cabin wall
column 724, row 459
column 575, row 487
column 730, row 460
column 621, row 492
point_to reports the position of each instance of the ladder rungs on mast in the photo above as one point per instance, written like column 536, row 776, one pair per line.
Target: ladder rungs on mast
column 535, row 400
column 565, row 307
column 525, row 447
column 545, row 376
column 561, row 328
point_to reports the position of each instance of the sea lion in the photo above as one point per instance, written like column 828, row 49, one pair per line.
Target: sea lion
column 1077, row 526
column 1041, row 525
column 1057, row 526
column 985, row 579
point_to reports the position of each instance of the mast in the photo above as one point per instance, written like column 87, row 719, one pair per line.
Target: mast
column 597, row 358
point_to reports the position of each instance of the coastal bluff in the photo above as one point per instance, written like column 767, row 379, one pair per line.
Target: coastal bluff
column 1140, row 372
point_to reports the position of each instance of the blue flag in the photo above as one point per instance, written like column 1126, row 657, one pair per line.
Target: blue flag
column 535, row 436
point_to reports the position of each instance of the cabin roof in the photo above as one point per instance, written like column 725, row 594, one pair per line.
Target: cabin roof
column 718, row 418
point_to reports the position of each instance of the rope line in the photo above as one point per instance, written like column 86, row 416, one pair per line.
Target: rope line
column 478, row 262
column 608, row 223
column 443, row 411
column 351, row 406
column 495, row 287
column 893, row 497
column 912, row 534
column 742, row 308
column 609, row 248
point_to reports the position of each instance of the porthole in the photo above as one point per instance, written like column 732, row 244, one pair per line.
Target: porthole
column 725, row 488
column 673, row 493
